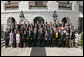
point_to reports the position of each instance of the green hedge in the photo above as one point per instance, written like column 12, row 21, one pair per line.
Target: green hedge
column 81, row 41
column 81, row 36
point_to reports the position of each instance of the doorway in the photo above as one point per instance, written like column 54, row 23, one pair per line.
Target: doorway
column 11, row 21
column 39, row 19
column 65, row 20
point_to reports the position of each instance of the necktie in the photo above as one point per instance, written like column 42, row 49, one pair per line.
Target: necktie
column 41, row 32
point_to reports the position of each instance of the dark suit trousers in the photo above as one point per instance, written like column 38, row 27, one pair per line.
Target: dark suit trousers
column 7, row 42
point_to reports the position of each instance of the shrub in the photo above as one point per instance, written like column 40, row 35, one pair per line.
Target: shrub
column 81, row 36
column 81, row 41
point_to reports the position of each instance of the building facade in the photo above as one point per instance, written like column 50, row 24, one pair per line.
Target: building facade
column 11, row 10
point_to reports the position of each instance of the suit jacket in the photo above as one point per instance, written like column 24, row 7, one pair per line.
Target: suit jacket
column 51, row 35
column 59, row 35
column 19, row 26
column 72, row 36
column 29, row 25
column 21, row 36
column 35, row 34
column 14, row 36
column 22, row 29
column 31, row 34
column 38, row 26
column 6, row 34
column 40, row 35
column 63, row 36
column 43, row 33
column 25, row 36
column 47, row 36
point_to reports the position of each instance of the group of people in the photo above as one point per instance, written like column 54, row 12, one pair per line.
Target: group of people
column 41, row 35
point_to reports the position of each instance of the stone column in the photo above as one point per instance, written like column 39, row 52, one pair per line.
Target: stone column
column 24, row 5
column 75, row 6
column 52, row 5
column 2, row 5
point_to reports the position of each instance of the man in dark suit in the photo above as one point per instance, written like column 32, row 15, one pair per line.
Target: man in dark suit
column 14, row 36
column 22, row 28
column 43, row 39
column 35, row 37
column 51, row 36
column 17, row 27
column 59, row 38
column 37, row 25
column 40, row 37
column 21, row 39
column 63, row 37
column 6, row 37
column 46, row 37
column 32, row 37
column 72, row 36
column 29, row 36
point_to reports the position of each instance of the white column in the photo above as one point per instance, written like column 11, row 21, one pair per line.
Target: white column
column 52, row 5
column 2, row 6
column 24, row 5
column 75, row 6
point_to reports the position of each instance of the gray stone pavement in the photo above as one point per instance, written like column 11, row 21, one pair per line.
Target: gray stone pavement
column 39, row 51
column 15, row 51
column 64, row 51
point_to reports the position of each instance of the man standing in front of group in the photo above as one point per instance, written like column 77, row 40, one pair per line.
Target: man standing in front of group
column 6, row 38
column 14, row 36
column 72, row 36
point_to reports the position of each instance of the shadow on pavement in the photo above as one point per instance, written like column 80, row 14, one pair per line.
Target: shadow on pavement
column 38, row 51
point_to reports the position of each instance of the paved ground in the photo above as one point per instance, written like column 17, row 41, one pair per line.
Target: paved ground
column 64, row 51
column 45, row 51
column 15, row 51
column 38, row 51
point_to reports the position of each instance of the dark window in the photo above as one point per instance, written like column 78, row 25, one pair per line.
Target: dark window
column 38, row 2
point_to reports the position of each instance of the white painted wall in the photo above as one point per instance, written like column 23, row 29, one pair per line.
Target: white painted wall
column 47, row 15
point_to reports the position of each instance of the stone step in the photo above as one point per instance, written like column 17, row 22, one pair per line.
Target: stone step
column 2, row 45
column 2, row 39
column 2, row 42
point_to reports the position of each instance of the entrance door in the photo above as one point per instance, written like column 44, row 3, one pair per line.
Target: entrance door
column 39, row 20
column 65, row 20
column 11, row 21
